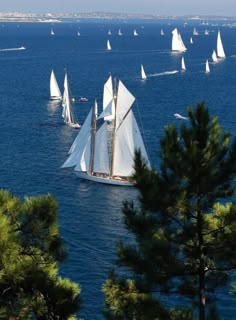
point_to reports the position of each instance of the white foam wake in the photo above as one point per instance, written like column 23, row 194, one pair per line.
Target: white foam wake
column 13, row 49
column 163, row 73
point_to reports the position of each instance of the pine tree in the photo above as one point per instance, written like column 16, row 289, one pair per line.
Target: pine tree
column 184, row 230
column 31, row 247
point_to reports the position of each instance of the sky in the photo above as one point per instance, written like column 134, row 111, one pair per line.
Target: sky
column 159, row 7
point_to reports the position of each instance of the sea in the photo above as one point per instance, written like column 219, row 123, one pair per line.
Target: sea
column 35, row 141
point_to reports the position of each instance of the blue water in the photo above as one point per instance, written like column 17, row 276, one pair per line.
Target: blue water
column 34, row 140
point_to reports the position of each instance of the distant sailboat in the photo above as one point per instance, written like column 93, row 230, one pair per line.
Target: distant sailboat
column 207, row 70
column 206, row 32
column 52, row 32
column 55, row 93
column 183, row 67
column 109, row 32
column 195, row 32
column 162, row 32
column 214, row 57
column 191, row 40
column 67, row 113
column 219, row 48
column 135, row 32
column 177, row 42
column 78, row 33
column 179, row 116
column 106, row 154
column 143, row 74
column 120, row 33
column 108, row 45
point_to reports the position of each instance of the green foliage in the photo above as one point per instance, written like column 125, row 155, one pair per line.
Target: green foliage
column 31, row 247
column 184, row 237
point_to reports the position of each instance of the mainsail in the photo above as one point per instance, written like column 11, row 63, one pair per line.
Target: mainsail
column 219, row 48
column 183, row 67
column 108, row 45
column 55, row 92
column 207, row 67
column 177, row 42
column 143, row 74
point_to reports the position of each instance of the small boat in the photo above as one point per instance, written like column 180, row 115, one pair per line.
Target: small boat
column 191, row 40
column 177, row 42
column 183, row 67
column 55, row 93
column 83, row 99
column 195, row 32
column 104, row 152
column 143, row 74
column 219, row 48
column 214, row 57
column 52, row 32
column 135, row 32
column 206, row 32
column 78, row 33
column 207, row 68
column 120, row 33
column 68, row 113
column 109, row 32
column 108, row 45
column 162, row 32
column 179, row 116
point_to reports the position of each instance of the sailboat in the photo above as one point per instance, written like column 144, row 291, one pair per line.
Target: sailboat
column 214, row 57
column 143, row 74
column 207, row 70
column 67, row 113
column 108, row 45
column 55, row 93
column 191, row 40
column 195, row 32
column 206, row 32
column 119, row 33
column 177, row 42
column 162, row 32
column 52, row 32
column 183, row 67
column 135, row 32
column 109, row 32
column 78, row 33
column 219, row 48
column 105, row 153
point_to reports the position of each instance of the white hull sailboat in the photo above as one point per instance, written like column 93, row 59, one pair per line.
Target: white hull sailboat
column 195, row 32
column 67, row 112
column 162, row 32
column 183, row 67
column 105, row 154
column 55, row 93
column 191, row 40
column 143, row 74
column 207, row 68
column 109, row 32
column 108, row 45
column 135, row 33
column 177, row 42
column 120, row 33
column 52, row 32
column 219, row 48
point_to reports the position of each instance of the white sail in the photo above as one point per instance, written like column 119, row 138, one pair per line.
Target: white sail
column 55, row 93
column 191, row 40
column 108, row 45
column 52, row 32
column 220, row 49
column 214, row 56
column 119, row 33
column 183, row 67
column 207, row 67
column 79, row 154
column 101, row 157
column 67, row 113
column 162, row 32
column 177, row 42
column 108, row 101
column 78, row 33
column 195, row 32
column 206, row 32
column 127, row 139
column 109, row 32
column 135, row 32
column 143, row 74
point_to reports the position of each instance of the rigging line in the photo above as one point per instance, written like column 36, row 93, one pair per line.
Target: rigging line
column 142, row 130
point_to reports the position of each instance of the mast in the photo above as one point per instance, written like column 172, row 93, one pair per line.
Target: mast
column 93, row 137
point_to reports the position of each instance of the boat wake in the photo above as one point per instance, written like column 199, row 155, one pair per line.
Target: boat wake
column 166, row 73
column 13, row 49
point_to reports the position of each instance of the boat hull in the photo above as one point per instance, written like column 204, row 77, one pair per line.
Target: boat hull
column 104, row 180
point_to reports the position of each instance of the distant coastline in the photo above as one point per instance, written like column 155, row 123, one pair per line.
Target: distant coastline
column 60, row 17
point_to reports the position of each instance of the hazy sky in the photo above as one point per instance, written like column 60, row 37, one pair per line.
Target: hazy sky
column 169, row 7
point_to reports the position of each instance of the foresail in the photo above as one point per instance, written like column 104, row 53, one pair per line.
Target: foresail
column 127, row 139
column 108, row 100
column 125, row 99
column 101, row 157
